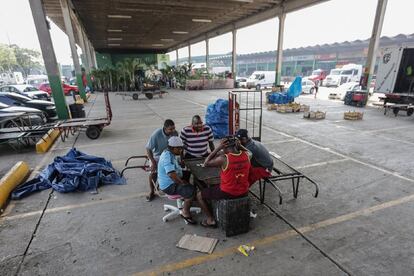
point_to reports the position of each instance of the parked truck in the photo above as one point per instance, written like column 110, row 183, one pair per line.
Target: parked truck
column 261, row 79
column 395, row 76
column 318, row 76
column 349, row 72
column 11, row 78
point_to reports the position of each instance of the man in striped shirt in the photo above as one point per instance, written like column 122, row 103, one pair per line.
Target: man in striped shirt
column 197, row 138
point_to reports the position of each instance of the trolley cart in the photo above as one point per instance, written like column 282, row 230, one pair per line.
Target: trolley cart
column 135, row 94
column 409, row 108
column 23, row 134
column 282, row 171
column 93, row 126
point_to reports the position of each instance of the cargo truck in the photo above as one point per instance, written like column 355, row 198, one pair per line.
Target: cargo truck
column 395, row 78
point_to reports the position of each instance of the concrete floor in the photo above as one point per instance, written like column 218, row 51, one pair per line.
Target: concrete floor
column 360, row 224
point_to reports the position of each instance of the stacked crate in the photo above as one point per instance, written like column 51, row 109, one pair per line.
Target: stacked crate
column 314, row 115
column 233, row 215
column 353, row 115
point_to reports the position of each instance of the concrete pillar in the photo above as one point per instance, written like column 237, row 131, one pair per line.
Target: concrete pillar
column 69, row 31
column 49, row 58
column 189, row 54
column 81, row 45
column 279, row 58
column 207, row 54
column 87, row 58
column 91, row 54
column 373, row 43
column 85, row 63
column 176, row 58
column 234, row 55
column 87, row 50
column 94, row 58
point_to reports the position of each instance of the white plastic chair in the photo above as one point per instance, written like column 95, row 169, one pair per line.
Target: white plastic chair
column 175, row 211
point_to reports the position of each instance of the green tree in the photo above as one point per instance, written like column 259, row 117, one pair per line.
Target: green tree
column 7, row 58
column 26, row 58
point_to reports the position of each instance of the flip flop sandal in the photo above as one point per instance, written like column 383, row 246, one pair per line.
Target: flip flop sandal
column 150, row 197
column 189, row 220
column 207, row 225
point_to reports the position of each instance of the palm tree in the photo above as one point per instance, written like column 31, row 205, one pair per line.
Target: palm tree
column 122, row 71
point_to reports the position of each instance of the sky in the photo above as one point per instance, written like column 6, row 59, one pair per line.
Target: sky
column 329, row 22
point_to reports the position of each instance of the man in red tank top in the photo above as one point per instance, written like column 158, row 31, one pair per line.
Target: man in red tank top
column 234, row 175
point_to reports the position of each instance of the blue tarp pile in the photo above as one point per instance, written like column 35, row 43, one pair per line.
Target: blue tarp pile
column 76, row 171
column 217, row 117
column 295, row 89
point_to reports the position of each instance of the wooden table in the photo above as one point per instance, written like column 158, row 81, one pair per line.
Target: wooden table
column 207, row 175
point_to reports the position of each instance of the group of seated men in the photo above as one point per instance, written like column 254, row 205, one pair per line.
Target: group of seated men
column 242, row 161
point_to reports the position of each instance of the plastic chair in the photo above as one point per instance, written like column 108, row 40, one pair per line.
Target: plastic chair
column 175, row 211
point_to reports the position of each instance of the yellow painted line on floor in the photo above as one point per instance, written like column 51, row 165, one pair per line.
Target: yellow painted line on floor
column 72, row 207
column 274, row 238
column 14, row 177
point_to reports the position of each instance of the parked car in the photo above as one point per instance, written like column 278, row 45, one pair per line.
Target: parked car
column 241, row 82
column 67, row 89
column 340, row 92
column 48, row 108
column 318, row 76
column 308, row 86
column 30, row 116
column 26, row 90
column 36, row 80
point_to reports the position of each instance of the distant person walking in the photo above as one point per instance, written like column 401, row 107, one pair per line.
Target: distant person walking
column 316, row 88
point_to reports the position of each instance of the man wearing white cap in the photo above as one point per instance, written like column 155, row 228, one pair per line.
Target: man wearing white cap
column 171, row 182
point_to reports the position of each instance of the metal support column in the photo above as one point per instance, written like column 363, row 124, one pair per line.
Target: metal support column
column 279, row 58
column 42, row 29
column 207, row 54
column 234, row 55
column 373, row 43
column 69, row 31
column 189, row 54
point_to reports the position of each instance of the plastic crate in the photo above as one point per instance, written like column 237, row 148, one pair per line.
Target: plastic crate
column 233, row 215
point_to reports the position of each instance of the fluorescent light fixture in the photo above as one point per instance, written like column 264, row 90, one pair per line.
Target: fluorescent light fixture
column 201, row 20
column 244, row 1
column 157, row 45
column 114, row 38
column 119, row 16
column 180, row 32
column 114, row 31
column 114, row 44
column 167, row 39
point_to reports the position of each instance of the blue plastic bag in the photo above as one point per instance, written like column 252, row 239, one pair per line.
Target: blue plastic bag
column 294, row 90
column 76, row 171
column 217, row 117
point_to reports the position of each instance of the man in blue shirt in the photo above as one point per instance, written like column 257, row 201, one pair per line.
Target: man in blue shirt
column 170, row 179
column 156, row 145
